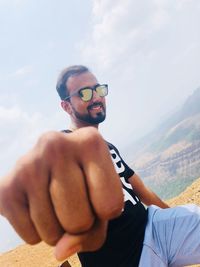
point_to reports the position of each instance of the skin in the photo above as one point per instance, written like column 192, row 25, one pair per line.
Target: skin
column 59, row 192
column 76, row 105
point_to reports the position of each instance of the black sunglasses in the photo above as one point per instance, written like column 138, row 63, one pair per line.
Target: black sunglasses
column 86, row 93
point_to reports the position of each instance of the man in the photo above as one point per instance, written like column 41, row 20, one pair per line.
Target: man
column 66, row 191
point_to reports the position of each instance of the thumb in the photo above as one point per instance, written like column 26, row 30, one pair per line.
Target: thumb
column 89, row 241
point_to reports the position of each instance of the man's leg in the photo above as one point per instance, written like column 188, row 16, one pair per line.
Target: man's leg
column 150, row 258
column 172, row 237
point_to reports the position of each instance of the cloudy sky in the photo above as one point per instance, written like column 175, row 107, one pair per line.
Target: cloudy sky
column 147, row 51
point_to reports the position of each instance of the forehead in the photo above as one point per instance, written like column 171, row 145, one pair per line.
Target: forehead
column 82, row 80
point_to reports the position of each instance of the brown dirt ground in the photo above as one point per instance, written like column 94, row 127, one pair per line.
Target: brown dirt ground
column 42, row 255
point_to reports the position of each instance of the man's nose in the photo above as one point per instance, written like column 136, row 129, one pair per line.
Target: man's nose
column 95, row 95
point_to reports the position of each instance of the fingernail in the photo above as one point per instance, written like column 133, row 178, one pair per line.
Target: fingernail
column 63, row 254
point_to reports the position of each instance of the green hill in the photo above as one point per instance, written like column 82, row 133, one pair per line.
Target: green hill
column 168, row 159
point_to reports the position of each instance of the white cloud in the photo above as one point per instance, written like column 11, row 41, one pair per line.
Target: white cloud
column 19, row 131
column 25, row 74
column 148, row 51
column 23, row 71
column 125, row 31
column 121, row 29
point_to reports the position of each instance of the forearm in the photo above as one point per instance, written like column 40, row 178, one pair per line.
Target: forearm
column 145, row 194
column 150, row 198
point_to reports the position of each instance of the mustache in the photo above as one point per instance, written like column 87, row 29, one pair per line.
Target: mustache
column 95, row 104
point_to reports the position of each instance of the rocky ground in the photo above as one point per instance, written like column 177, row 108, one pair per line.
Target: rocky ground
column 42, row 255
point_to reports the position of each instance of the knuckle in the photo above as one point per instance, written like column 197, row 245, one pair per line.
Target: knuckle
column 91, row 138
column 47, row 137
column 47, row 140
column 52, row 239
column 81, row 227
column 99, row 242
column 113, row 211
column 50, row 138
column 51, row 144
column 8, row 197
column 32, row 240
column 5, row 200
column 25, row 174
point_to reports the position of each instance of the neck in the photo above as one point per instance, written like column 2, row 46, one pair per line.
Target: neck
column 74, row 126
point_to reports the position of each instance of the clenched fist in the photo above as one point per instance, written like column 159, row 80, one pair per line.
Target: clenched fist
column 63, row 192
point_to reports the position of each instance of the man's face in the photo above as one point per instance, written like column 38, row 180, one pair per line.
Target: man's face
column 91, row 112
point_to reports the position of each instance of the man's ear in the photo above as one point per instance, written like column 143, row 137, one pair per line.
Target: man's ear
column 66, row 105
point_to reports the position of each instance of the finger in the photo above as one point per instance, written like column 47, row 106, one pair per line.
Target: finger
column 69, row 196
column 104, row 186
column 40, row 204
column 90, row 241
column 14, row 206
column 67, row 187
column 23, row 224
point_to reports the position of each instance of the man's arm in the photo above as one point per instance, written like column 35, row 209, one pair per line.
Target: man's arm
column 145, row 194
column 60, row 193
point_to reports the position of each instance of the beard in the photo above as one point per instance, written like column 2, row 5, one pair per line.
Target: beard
column 88, row 118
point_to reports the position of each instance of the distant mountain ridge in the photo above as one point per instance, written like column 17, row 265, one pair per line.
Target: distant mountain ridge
column 168, row 159
column 190, row 108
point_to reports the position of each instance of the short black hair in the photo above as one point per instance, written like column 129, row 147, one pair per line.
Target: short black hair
column 68, row 72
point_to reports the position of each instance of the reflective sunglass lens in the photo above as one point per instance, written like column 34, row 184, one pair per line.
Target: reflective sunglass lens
column 86, row 94
column 102, row 90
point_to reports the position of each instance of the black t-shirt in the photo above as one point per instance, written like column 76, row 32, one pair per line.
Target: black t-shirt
column 125, row 235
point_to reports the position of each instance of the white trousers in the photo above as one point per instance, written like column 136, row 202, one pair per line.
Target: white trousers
column 172, row 237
